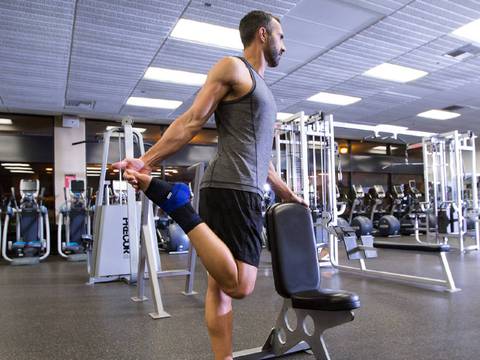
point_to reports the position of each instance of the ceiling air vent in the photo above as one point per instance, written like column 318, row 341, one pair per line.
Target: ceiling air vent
column 453, row 108
column 464, row 52
column 80, row 104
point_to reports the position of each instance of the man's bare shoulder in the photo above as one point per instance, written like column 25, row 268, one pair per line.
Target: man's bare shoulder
column 229, row 68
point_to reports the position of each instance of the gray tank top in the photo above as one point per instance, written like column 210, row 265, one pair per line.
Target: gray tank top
column 245, row 138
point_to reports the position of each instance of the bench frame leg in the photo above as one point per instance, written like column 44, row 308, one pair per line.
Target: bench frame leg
column 284, row 339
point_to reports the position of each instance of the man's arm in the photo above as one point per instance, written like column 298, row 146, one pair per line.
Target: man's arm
column 220, row 80
column 280, row 188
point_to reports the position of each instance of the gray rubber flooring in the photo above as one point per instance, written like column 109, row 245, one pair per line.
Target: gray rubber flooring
column 47, row 312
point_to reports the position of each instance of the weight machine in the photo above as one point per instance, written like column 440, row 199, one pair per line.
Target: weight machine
column 305, row 150
column 450, row 188
column 124, row 238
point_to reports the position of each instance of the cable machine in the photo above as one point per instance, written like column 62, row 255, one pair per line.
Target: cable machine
column 124, row 245
column 450, row 188
column 305, row 157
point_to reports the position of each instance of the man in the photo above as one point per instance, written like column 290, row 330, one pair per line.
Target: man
column 229, row 241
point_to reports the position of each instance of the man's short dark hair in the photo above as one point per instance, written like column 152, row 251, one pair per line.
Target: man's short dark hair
column 251, row 22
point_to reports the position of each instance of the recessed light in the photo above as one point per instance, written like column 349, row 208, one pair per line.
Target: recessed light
column 438, row 114
column 334, row 99
column 469, row 32
column 175, row 76
column 207, row 34
column 283, row 116
column 49, row 169
column 395, row 73
column 5, row 121
column 154, row 103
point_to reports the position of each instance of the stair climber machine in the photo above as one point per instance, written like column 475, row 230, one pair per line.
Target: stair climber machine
column 32, row 230
column 74, row 222
column 384, row 223
column 358, row 218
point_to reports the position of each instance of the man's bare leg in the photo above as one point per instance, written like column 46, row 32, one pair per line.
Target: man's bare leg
column 218, row 310
column 217, row 258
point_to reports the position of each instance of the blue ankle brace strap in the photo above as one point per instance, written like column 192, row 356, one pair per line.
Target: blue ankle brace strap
column 178, row 197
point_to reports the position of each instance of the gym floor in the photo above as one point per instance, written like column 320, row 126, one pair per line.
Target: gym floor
column 71, row 320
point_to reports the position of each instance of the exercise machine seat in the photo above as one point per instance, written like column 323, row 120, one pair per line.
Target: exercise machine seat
column 435, row 248
column 294, row 261
column 326, row 300
column 34, row 244
column 19, row 244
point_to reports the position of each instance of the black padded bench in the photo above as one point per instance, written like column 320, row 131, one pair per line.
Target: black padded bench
column 297, row 279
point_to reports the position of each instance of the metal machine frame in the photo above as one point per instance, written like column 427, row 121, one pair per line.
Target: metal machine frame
column 449, row 161
column 140, row 230
column 297, row 139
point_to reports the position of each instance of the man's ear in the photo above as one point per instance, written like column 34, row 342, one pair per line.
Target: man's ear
column 263, row 33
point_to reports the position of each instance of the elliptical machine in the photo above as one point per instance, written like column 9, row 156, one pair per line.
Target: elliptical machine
column 357, row 219
column 417, row 214
column 32, row 241
column 386, row 224
column 75, row 217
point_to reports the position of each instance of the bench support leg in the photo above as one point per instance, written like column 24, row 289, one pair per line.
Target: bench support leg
column 306, row 334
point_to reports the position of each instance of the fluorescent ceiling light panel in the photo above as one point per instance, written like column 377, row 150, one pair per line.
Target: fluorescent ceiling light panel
column 22, row 171
column 18, row 168
column 469, row 32
column 283, row 116
column 154, row 103
column 140, row 130
column 16, row 164
column 397, row 73
column 175, row 76
column 5, row 121
column 207, row 34
column 334, row 99
column 438, row 114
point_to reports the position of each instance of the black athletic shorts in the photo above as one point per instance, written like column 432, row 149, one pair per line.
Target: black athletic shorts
column 236, row 217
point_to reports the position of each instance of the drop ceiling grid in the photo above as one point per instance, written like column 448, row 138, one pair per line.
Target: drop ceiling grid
column 122, row 35
column 34, row 52
column 228, row 13
column 367, row 44
column 380, row 6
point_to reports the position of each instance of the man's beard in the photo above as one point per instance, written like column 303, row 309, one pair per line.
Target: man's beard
column 272, row 55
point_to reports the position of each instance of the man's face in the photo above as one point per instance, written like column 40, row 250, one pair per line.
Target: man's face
column 274, row 47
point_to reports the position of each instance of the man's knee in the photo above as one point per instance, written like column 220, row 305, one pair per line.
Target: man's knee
column 241, row 291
